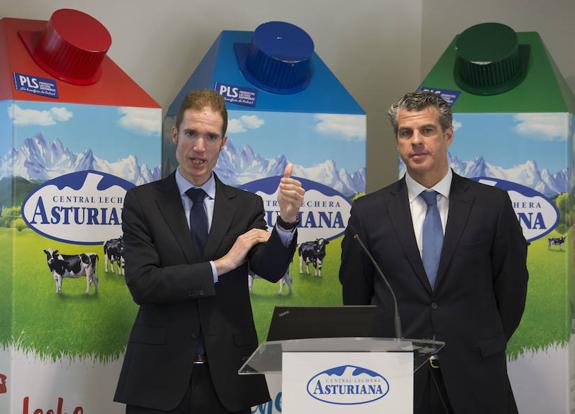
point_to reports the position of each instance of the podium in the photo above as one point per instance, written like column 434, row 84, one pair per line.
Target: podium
column 343, row 375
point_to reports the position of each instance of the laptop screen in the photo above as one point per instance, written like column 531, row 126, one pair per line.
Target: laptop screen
column 299, row 322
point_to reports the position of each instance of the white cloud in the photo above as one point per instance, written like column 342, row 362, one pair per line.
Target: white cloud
column 146, row 121
column 243, row 123
column 456, row 125
column 235, row 126
column 252, row 121
column 541, row 126
column 50, row 116
column 350, row 127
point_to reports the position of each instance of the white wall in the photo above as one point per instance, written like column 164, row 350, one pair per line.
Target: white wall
column 379, row 49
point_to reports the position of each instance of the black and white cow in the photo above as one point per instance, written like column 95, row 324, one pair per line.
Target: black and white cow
column 72, row 266
column 285, row 280
column 312, row 252
column 556, row 241
column 114, row 255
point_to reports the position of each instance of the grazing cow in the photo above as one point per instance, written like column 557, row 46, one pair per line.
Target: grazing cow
column 72, row 266
column 286, row 279
column 114, row 255
column 312, row 252
column 556, row 241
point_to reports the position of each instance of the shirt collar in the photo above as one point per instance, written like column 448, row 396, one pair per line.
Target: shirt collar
column 184, row 185
column 443, row 187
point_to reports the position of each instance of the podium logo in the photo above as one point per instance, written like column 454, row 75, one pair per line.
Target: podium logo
column 324, row 213
column 3, row 387
column 348, row 385
column 535, row 212
column 83, row 207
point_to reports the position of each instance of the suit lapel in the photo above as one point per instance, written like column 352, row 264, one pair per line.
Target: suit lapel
column 224, row 210
column 400, row 213
column 170, row 205
column 460, row 203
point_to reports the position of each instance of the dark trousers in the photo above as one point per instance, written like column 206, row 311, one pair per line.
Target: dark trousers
column 433, row 397
column 200, row 398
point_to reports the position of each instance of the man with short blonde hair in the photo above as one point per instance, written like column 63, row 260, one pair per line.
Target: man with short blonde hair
column 189, row 241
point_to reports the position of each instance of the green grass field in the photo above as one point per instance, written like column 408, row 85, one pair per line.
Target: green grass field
column 547, row 295
column 72, row 323
column 34, row 317
column 6, row 285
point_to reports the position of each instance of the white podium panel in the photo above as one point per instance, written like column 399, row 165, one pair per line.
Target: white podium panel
column 347, row 382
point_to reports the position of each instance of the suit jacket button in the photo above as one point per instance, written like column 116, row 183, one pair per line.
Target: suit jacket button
column 434, row 306
column 194, row 335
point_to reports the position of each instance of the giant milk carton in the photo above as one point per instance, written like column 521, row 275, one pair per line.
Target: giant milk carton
column 285, row 105
column 75, row 133
column 514, row 126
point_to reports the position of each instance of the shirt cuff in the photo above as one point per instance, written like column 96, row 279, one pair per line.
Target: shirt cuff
column 285, row 236
column 214, row 272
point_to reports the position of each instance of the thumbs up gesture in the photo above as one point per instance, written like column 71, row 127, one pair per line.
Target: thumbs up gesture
column 290, row 196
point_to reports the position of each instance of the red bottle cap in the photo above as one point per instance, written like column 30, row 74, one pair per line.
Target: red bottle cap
column 71, row 47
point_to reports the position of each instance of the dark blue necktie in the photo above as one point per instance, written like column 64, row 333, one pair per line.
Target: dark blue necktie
column 199, row 231
column 432, row 236
column 198, row 218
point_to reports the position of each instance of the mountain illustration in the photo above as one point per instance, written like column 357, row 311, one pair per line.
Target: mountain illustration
column 236, row 167
column 527, row 174
column 40, row 160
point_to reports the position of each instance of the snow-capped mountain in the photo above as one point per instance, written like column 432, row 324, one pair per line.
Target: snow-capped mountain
column 236, row 167
column 40, row 160
column 527, row 174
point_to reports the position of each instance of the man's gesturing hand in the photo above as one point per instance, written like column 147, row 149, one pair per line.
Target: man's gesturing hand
column 290, row 196
column 237, row 254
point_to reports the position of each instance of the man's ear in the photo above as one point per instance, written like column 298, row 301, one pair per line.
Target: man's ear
column 449, row 135
column 175, row 135
column 224, row 140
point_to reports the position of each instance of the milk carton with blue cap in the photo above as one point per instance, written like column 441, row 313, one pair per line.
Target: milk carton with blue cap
column 285, row 105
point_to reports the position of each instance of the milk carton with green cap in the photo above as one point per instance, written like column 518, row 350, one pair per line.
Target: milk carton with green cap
column 514, row 129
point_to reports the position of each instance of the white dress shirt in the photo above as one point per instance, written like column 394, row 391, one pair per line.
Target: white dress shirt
column 419, row 208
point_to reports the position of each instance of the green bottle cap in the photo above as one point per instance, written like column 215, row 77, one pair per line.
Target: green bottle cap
column 489, row 59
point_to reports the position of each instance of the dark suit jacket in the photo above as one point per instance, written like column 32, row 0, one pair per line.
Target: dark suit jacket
column 480, row 289
column 173, row 284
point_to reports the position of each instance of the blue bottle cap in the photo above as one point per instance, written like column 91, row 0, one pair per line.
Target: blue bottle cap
column 278, row 59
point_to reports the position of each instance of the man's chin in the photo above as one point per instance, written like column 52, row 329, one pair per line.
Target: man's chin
column 419, row 167
column 197, row 177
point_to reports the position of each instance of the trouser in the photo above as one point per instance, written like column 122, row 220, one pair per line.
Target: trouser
column 200, row 398
column 433, row 398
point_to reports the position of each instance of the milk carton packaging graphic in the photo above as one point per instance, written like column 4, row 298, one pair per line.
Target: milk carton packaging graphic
column 514, row 129
column 75, row 134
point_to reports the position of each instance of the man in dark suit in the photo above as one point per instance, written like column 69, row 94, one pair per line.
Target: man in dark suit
column 455, row 257
column 189, row 241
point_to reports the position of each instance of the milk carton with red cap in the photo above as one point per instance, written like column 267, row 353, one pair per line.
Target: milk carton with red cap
column 75, row 134
column 285, row 105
